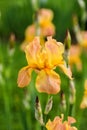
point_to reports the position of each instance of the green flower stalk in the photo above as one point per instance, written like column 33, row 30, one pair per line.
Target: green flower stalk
column 35, row 4
column 67, row 44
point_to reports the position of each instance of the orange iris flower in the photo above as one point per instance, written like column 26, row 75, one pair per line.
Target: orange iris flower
column 74, row 57
column 84, row 100
column 84, row 39
column 43, row 59
column 45, row 25
column 58, row 124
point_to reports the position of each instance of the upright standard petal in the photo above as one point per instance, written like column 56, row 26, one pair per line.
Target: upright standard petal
column 54, row 52
column 32, row 51
column 58, row 124
column 48, row 82
column 45, row 15
column 47, row 29
column 24, row 77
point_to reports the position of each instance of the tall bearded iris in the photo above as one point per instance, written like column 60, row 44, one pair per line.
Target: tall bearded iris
column 43, row 59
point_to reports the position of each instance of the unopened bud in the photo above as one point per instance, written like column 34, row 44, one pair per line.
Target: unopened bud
column 67, row 41
column 48, row 105
column 38, row 112
column 63, row 101
column 35, row 4
column 72, row 92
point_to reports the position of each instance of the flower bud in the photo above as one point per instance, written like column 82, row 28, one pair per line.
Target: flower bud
column 63, row 101
column 67, row 41
column 72, row 92
column 38, row 112
column 48, row 105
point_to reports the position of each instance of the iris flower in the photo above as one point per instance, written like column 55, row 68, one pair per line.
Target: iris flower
column 44, row 59
column 45, row 21
column 74, row 57
column 84, row 39
column 84, row 100
column 58, row 124
column 45, row 25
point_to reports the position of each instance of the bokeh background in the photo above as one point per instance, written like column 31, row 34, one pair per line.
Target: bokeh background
column 17, row 105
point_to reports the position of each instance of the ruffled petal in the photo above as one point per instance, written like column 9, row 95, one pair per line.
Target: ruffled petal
column 66, row 70
column 30, row 33
column 45, row 15
column 48, row 82
column 56, row 124
column 48, row 29
column 32, row 51
column 54, row 52
column 24, row 76
column 71, row 120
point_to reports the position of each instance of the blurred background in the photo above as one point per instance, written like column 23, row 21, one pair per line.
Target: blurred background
column 17, row 105
column 15, row 16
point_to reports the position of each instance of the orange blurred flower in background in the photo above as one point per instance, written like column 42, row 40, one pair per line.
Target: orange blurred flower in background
column 45, row 25
column 58, row 124
column 74, row 57
column 43, row 59
column 29, row 36
column 84, row 100
column 45, row 22
column 83, row 39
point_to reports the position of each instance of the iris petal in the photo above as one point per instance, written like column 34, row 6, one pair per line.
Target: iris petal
column 48, row 81
column 24, row 76
column 32, row 51
column 66, row 70
column 54, row 52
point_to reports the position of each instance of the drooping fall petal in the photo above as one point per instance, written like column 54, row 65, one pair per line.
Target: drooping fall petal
column 54, row 51
column 71, row 120
column 48, row 82
column 24, row 77
column 66, row 70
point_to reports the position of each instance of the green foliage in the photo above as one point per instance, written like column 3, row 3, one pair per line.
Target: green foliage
column 17, row 16
column 16, row 19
